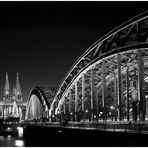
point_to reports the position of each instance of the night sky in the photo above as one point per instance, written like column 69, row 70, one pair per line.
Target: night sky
column 42, row 40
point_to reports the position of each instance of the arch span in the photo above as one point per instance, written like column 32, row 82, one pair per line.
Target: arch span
column 110, row 77
column 39, row 102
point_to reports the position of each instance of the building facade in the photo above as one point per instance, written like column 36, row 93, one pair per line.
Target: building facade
column 12, row 104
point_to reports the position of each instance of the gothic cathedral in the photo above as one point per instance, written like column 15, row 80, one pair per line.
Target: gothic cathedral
column 12, row 104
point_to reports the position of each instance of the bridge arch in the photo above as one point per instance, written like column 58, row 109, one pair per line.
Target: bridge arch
column 39, row 102
column 110, row 78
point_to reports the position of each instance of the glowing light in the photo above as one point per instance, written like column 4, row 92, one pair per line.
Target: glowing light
column 19, row 143
column 101, row 113
column 86, row 111
column 9, row 137
column 8, row 128
column 111, row 107
column 20, row 130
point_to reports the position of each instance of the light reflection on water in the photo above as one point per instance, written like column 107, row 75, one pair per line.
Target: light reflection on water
column 1, row 138
column 11, row 141
column 19, row 143
column 9, row 137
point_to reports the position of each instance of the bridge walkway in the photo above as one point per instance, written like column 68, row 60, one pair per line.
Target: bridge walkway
column 112, row 126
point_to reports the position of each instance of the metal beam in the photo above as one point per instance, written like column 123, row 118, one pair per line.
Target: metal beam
column 64, row 105
column 127, row 93
column 76, row 100
column 115, row 89
column 141, row 89
column 119, row 86
column 83, row 97
column 92, row 94
column 70, row 103
column 104, row 90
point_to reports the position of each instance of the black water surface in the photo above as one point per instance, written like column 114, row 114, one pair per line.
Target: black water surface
column 39, row 136
column 49, row 136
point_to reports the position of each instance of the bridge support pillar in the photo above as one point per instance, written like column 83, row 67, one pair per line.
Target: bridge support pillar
column 119, row 87
column 76, row 101
column 83, row 97
column 141, row 89
column 70, row 113
column 115, row 98
column 127, row 93
column 64, row 113
column 92, row 94
column 96, row 107
column 104, row 90
column 64, row 103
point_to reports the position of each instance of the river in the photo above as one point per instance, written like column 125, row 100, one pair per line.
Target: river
column 39, row 136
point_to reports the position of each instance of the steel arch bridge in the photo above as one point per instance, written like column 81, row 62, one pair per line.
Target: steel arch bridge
column 39, row 101
column 110, row 80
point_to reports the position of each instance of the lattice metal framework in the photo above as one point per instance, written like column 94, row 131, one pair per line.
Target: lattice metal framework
column 110, row 76
column 45, row 97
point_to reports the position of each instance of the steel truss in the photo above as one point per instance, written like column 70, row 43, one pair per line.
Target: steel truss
column 102, row 89
column 109, row 79
column 39, row 100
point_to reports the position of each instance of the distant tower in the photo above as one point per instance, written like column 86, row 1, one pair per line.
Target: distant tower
column 7, row 92
column 18, row 92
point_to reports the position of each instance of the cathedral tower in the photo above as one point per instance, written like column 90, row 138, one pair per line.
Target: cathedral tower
column 17, row 94
column 7, row 92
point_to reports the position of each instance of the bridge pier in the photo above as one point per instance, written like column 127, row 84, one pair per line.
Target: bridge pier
column 83, row 97
column 127, row 92
column 92, row 94
column 70, row 103
column 96, row 108
column 141, row 87
column 119, row 87
column 104, row 90
column 76, row 101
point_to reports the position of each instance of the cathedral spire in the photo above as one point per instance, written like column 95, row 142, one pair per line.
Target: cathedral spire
column 17, row 82
column 7, row 86
column 18, row 89
column 7, row 89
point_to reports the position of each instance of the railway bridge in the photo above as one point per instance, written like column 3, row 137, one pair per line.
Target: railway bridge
column 107, row 84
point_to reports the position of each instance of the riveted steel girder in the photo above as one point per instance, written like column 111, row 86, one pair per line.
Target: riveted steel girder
column 129, row 36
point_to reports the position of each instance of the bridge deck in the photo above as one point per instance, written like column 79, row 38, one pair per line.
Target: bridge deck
column 113, row 126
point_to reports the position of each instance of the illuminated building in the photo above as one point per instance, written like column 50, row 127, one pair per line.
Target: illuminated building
column 12, row 104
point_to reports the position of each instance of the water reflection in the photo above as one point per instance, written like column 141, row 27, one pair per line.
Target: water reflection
column 20, row 132
column 12, row 136
column 1, row 138
column 11, row 141
column 9, row 137
column 19, row 143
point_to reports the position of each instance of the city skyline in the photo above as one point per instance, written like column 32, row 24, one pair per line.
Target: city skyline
column 42, row 40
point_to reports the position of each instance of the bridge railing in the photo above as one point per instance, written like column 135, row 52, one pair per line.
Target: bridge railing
column 134, row 127
column 114, row 126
